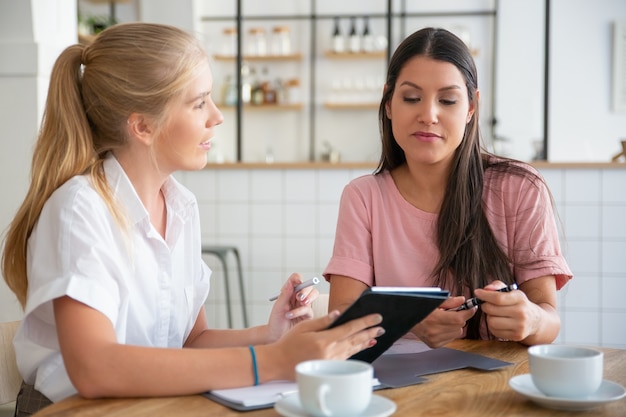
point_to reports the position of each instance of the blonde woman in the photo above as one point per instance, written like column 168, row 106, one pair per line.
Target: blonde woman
column 104, row 254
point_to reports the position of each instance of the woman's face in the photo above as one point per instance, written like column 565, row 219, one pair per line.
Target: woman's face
column 186, row 137
column 429, row 110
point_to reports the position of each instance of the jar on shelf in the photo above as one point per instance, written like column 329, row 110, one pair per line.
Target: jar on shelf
column 281, row 40
column 292, row 91
column 229, row 42
column 257, row 42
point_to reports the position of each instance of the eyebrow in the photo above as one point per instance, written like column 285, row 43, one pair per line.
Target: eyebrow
column 200, row 96
column 450, row 87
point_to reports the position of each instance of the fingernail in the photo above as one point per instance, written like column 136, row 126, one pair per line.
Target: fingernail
column 379, row 318
column 372, row 342
column 301, row 297
column 289, row 315
column 334, row 314
column 380, row 332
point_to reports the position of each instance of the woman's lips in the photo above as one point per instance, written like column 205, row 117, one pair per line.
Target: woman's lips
column 426, row 136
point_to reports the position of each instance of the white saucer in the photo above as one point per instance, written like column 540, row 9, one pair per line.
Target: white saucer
column 608, row 392
column 289, row 406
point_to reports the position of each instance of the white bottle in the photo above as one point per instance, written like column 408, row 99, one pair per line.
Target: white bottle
column 339, row 42
column 355, row 39
column 368, row 39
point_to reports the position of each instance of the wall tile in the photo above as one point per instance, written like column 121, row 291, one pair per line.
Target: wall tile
column 582, row 327
column 301, row 254
column 614, row 257
column 583, row 257
column 266, row 186
column 266, row 253
column 614, row 222
column 300, row 220
column 582, row 292
column 203, row 184
column 613, row 290
column 325, row 251
column 554, row 180
column 582, row 186
column 233, row 219
column 301, row 186
column 613, row 329
column 613, row 186
column 582, row 222
column 331, row 184
column 208, row 220
column 327, row 214
column 233, row 185
column 267, row 219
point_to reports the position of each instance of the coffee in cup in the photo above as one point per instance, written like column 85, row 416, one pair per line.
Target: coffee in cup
column 334, row 388
column 566, row 371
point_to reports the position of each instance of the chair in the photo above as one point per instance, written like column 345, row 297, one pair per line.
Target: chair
column 10, row 379
column 221, row 252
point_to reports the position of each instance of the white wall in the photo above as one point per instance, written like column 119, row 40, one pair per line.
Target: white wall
column 582, row 125
column 32, row 34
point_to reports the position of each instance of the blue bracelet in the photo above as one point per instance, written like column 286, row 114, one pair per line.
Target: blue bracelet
column 254, row 367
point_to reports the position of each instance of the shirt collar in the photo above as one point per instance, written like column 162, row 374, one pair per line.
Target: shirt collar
column 178, row 199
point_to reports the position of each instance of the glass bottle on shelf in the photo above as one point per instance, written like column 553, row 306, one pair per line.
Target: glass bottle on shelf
column 257, row 88
column 246, row 83
column 229, row 44
column 339, row 43
column 368, row 39
column 230, row 91
column 281, row 40
column 355, row 39
column 257, row 42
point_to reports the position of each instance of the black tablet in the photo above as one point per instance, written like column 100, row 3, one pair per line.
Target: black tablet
column 401, row 308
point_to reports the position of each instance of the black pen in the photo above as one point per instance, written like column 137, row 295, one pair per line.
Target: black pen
column 473, row 302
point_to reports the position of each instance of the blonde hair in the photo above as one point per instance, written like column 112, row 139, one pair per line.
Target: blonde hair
column 130, row 67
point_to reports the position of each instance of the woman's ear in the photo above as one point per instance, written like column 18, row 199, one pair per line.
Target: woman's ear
column 387, row 106
column 472, row 107
column 140, row 129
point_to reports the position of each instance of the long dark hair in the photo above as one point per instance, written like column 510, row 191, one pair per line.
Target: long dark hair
column 470, row 256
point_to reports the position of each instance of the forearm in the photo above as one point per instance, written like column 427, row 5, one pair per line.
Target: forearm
column 221, row 338
column 546, row 325
column 129, row 371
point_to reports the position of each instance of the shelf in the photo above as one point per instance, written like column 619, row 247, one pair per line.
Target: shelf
column 355, row 55
column 262, row 107
column 348, row 106
column 290, row 57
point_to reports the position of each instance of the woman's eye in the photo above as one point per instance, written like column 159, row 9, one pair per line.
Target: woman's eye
column 201, row 105
column 448, row 102
column 411, row 99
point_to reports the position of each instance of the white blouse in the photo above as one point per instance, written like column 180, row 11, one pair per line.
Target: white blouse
column 151, row 289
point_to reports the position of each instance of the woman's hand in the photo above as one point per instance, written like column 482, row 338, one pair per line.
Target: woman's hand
column 528, row 316
column 312, row 339
column 290, row 308
column 442, row 326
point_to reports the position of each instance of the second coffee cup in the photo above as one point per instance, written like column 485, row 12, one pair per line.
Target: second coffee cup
column 566, row 371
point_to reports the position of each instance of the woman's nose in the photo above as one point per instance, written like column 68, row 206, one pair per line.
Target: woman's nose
column 428, row 113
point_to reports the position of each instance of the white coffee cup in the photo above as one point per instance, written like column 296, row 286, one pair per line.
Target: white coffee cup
column 334, row 388
column 566, row 371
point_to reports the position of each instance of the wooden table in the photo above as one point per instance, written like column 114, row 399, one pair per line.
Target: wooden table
column 462, row 393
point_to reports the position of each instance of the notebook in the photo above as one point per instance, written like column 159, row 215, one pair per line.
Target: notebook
column 401, row 308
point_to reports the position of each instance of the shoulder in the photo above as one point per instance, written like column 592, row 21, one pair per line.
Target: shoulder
column 510, row 173
column 370, row 184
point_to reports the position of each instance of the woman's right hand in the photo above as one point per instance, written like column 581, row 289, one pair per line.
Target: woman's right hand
column 441, row 326
column 312, row 339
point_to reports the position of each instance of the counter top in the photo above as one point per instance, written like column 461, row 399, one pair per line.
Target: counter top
column 373, row 165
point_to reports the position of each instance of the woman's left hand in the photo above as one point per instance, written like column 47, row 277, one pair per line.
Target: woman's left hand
column 290, row 307
column 520, row 315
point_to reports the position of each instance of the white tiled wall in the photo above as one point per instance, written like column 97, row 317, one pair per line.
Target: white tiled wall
column 283, row 221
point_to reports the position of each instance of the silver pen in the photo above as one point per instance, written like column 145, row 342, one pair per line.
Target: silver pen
column 473, row 302
column 302, row 285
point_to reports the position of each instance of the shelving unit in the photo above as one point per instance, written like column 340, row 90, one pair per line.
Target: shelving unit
column 322, row 118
